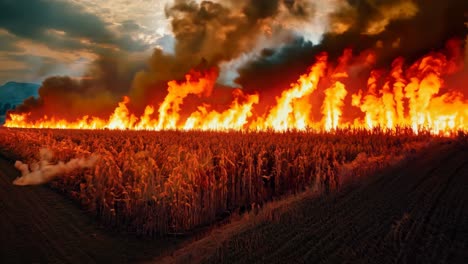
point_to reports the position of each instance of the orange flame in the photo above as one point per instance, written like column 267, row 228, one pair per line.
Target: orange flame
column 170, row 108
column 332, row 105
column 292, row 110
column 406, row 97
column 232, row 119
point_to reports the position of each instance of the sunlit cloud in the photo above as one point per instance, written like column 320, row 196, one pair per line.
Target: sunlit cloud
column 74, row 31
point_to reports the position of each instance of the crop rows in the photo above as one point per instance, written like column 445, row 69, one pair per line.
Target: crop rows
column 155, row 183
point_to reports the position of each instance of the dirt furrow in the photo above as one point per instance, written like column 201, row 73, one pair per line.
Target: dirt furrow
column 393, row 217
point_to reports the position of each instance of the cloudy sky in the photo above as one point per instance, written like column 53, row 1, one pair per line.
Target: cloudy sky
column 40, row 38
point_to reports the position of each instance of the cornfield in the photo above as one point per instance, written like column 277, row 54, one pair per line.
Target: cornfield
column 156, row 183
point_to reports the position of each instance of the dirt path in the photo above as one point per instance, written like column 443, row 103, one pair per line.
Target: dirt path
column 38, row 225
column 415, row 213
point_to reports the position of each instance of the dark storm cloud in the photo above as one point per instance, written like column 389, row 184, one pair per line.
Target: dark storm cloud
column 8, row 43
column 126, row 43
column 62, row 26
column 130, row 26
column 35, row 67
column 27, row 58
column 34, row 20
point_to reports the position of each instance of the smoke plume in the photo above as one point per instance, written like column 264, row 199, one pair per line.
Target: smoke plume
column 211, row 33
column 44, row 170
column 389, row 28
column 259, row 45
column 96, row 93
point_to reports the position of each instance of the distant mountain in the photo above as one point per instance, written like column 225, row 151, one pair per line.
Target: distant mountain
column 13, row 94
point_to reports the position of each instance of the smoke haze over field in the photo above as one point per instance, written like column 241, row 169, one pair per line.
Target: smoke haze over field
column 44, row 170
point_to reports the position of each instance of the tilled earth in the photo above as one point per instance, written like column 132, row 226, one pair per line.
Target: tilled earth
column 413, row 213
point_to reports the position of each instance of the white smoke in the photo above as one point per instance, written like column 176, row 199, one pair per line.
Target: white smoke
column 44, row 170
column 229, row 71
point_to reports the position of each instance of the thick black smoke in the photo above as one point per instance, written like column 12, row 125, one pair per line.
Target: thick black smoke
column 215, row 32
column 209, row 33
column 96, row 93
column 391, row 28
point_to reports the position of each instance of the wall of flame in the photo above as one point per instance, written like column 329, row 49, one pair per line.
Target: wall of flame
column 405, row 96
